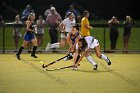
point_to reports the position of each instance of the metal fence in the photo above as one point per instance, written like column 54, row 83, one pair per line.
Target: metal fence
column 100, row 31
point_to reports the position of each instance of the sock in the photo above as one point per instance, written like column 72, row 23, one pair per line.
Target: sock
column 34, row 50
column 104, row 57
column 90, row 59
column 55, row 45
column 20, row 50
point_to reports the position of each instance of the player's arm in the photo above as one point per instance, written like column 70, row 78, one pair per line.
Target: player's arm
column 82, row 54
column 88, row 26
column 28, row 23
column 69, row 40
column 76, row 41
column 62, row 27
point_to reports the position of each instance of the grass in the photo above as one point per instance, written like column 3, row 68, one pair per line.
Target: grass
column 27, row 75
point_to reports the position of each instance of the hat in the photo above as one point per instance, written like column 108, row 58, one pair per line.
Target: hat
column 52, row 8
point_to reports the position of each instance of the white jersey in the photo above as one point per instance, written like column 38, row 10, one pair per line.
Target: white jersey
column 69, row 24
column 91, row 43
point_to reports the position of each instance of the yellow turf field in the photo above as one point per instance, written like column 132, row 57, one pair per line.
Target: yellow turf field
column 27, row 75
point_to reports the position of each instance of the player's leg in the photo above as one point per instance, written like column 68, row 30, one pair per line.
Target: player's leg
column 127, row 40
column 34, row 42
column 17, row 42
column 56, row 45
column 91, row 60
column 25, row 43
column 41, row 40
column 102, row 56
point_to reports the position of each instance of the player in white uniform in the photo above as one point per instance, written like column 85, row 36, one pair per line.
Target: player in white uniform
column 65, row 27
column 83, row 48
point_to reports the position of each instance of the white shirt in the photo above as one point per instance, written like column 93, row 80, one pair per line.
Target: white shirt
column 91, row 43
column 69, row 24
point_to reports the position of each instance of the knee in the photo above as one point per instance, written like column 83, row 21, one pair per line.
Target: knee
column 98, row 55
column 35, row 44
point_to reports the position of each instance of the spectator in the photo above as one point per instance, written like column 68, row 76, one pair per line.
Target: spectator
column 40, row 31
column 73, row 10
column 48, row 11
column 53, row 21
column 16, row 30
column 26, row 12
column 1, row 20
column 113, row 23
column 127, row 32
column 85, row 26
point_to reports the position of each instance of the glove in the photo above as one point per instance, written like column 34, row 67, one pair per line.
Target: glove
column 70, row 55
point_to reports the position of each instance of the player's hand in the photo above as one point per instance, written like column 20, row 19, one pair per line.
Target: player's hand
column 76, row 65
column 91, row 27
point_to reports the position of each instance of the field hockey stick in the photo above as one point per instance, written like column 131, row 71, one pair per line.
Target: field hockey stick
column 43, row 66
column 61, row 68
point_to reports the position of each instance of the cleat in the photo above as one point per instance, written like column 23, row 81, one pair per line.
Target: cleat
column 43, row 66
column 109, row 63
column 34, row 56
column 18, row 56
column 95, row 67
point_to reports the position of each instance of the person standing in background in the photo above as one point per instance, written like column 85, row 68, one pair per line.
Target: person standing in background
column 128, row 23
column 16, row 30
column 53, row 20
column 48, row 11
column 73, row 10
column 40, row 31
column 85, row 26
column 114, row 33
column 1, row 20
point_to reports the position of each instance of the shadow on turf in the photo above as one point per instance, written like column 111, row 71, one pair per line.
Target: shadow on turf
column 35, row 60
column 92, row 71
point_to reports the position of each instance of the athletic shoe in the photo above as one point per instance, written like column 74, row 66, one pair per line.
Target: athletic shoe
column 18, row 56
column 109, row 62
column 47, row 47
column 95, row 67
column 34, row 56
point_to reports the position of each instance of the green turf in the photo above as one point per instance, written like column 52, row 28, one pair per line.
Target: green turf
column 27, row 75
column 97, row 32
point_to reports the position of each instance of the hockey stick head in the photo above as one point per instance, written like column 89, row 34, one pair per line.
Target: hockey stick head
column 43, row 66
